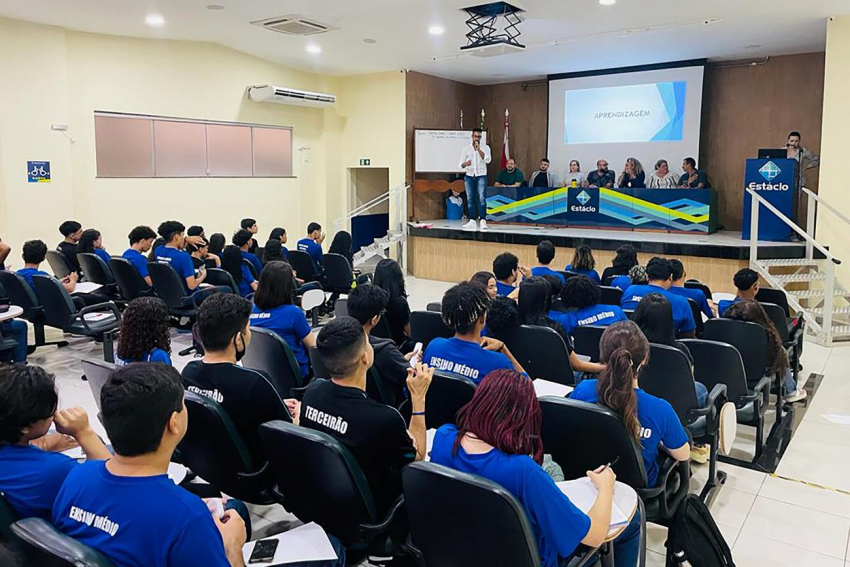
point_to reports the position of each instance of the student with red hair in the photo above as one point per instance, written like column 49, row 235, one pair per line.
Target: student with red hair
column 497, row 436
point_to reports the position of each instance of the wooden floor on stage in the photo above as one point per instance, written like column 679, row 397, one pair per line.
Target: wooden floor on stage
column 446, row 252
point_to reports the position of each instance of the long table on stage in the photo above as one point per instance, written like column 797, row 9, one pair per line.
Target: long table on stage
column 671, row 210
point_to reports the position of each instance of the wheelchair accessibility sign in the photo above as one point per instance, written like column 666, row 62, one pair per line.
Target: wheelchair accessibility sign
column 38, row 171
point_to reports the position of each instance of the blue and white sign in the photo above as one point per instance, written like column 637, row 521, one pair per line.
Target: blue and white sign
column 38, row 171
column 653, row 112
column 772, row 180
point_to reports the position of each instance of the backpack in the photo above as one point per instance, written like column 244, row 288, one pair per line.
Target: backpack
column 693, row 537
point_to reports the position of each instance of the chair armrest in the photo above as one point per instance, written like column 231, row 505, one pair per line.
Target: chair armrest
column 761, row 390
column 667, row 468
column 97, row 308
column 711, row 409
column 379, row 528
column 254, row 475
column 586, row 555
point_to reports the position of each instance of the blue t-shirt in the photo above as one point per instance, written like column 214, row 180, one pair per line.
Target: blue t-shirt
column 138, row 260
column 504, row 289
column 102, row 254
column 31, row 478
column 285, row 251
column 258, row 266
column 683, row 317
column 547, row 271
column 622, row 282
column 290, row 324
column 314, row 250
column 658, row 424
column 246, row 281
column 156, row 355
column 695, row 294
column 177, row 259
column 602, row 315
column 557, row 524
column 592, row 274
column 722, row 305
column 137, row 521
column 28, row 273
column 464, row 358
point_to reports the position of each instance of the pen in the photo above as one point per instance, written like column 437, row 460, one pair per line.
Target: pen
column 612, row 463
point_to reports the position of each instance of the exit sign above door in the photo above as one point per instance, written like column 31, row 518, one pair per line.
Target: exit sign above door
column 365, row 162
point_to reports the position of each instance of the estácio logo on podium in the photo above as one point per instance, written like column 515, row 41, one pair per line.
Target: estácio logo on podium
column 769, row 171
column 583, row 207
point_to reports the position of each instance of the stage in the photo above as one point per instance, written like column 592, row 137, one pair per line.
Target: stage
column 446, row 252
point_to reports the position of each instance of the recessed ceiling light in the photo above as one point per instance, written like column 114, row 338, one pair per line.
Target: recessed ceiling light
column 370, row 41
column 155, row 20
column 607, row 2
column 314, row 48
column 215, row 7
column 436, row 30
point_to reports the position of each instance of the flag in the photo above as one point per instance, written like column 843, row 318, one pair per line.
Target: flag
column 506, row 148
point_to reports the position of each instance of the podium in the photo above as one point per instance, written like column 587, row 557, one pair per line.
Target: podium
column 774, row 180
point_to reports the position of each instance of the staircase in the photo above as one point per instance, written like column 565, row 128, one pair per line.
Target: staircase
column 809, row 283
column 396, row 236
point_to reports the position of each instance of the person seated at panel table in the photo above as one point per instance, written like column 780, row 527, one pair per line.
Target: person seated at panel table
column 747, row 285
column 508, row 272
column 662, row 178
column 581, row 297
column 601, row 176
column 583, row 263
column 545, row 255
column 575, row 178
column 693, row 178
column 141, row 240
column 633, row 175
column 660, row 274
column 511, row 176
column 543, row 177
column 498, row 437
column 705, row 304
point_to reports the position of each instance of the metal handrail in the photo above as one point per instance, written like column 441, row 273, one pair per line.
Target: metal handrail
column 820, row 201
column 372, row 203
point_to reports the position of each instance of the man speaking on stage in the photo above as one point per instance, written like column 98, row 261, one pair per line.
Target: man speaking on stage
column 473, row 160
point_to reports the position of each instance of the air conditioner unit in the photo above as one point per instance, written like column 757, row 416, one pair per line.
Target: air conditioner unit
column 283, row 95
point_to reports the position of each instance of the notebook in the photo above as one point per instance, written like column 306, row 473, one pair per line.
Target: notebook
column 546, row 388
column 582, row 493
column 304, row 543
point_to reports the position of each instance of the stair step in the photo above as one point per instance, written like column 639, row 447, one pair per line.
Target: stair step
column 790, row 262
column 836, row 311
column 808, row 277
column 813, row 293
column 841, row 331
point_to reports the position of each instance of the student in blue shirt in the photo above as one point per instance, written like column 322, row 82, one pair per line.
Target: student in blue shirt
column 545, row 255
column 312, row 245
column 34, row 252
column 91, row 242
column 141, row 239
column 636, row 276
column 660, row 275
column 747, row 284
column 508, row 273
column 497, row 437
column 625, row 258
column 172, row 253
column 279, row 233
column 233, row 263
column 274, row 310
column 678, row 288
column 144, row 334
column 582, row 295
column 31, row 467
column 652, row 421
column 468, row 354
column 488, row 280
column 141, row 517
column 242, row 240
column 583, row 263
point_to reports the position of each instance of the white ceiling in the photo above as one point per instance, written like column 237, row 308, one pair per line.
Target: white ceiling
column 590, row 36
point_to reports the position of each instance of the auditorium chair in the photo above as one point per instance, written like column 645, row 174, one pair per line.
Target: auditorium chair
column 610, row 295
column 21, row 294
column 58, row 264
column 436, row 306
column 7, row 518
column 341, row 307
column 446, row 395
column 696, row 284
column 171, row 288
column 305, row 464
column 376, row 387
column 214, row 450
column 338, row 275
column 97, row 271
column 790, row 333
column 259, row 252
column 447, row 534
column 47, row 547
column 251, row 269
column 586, row 341
column 721, row 363
column 222, row 278
column 542, row 353
column 61, row 312
column 582, row 437
column 426, row 326
column 775, row 296
column 668, row 376
column 97, row 372
column 303, row 266
column 696, row 311
column 271, row 354
column 630, row 313
column 127, row 278
column 567, row 275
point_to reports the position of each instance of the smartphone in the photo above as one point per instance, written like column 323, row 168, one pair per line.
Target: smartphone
column 417, row 350
column 264, row 551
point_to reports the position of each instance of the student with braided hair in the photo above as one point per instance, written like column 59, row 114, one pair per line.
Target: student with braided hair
column 468, row 354
column 652, row 421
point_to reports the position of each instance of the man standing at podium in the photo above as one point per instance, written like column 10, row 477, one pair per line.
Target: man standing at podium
column 473, row 160
column 805, row 157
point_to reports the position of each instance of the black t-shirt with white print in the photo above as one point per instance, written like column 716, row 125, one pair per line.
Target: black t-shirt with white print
column 375, row 434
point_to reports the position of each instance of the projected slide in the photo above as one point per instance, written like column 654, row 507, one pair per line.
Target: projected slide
column 631, row 113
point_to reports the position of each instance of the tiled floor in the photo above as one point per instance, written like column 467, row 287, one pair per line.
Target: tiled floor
column 766, row 520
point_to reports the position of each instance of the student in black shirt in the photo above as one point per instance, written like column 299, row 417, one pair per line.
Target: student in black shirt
column 376, row 435
column 251, row 226
column 72, row 231
column 247, row 395
column 388, row 276
column 367, row 304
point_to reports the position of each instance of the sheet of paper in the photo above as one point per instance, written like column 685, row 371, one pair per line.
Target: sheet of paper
column 429, row 442
column 582, row 494
column 94, row 317
column 304, row 543
column 546, row 388
column 86, row 287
